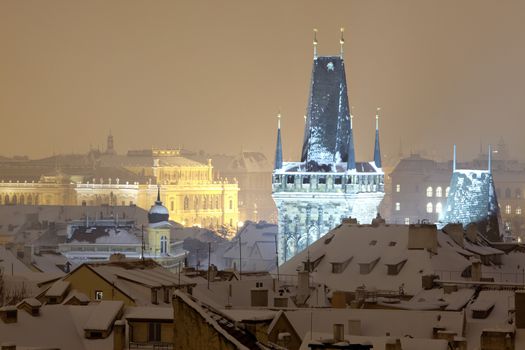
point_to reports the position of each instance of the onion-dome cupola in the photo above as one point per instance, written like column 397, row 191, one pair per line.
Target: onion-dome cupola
column 158, row 212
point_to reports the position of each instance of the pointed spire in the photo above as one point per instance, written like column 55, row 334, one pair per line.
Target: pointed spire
column 454, row 159
column 158, row 195
column 490, row 159
column 315, row 43
column 278, row 146
column 377, row 150
column 350, row 163
column 342, row 41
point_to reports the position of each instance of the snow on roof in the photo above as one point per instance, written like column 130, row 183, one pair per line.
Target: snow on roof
column 377, row 322
column 149, row 313
column 83, row 298
column 104, row 314
column 366, row 243
column 481, row 249
column 249, row 314
column 48, row 262
column 209, row 319
column 58, row 289
column 58, row 326
column 378, row 342
column 31, row 302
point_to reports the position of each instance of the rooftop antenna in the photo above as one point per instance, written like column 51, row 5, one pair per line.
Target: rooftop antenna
column 315, row 43
column 490, row 159
column 454, row 160
column 342, row 41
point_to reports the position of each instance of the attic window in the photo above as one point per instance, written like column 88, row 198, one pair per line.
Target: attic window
column 290, row 179
column 392, row 244
column 338, row 180
column 95, row 335
column 306, row 179
column 339, row 267
column 394, row 268
column 373, row 242
column 322, row 180
column 99, row 295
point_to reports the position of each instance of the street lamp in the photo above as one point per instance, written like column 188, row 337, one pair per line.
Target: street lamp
column 239, row 226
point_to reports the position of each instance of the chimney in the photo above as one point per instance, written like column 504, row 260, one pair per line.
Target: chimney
column 519, row 302
column 119, row 335
column 393, row 344
column 303, row 284
column 339, row 332
column 9, row 314
column 354, row 327
column 475, row 269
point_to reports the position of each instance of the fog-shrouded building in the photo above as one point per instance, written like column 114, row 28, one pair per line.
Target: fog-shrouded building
column 193, row 194
column 328, row 184
column 421, row 187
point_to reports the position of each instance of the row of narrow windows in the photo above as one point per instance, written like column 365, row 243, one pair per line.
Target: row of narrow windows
column 337, row 180
column 206, row 202
column 20, row 199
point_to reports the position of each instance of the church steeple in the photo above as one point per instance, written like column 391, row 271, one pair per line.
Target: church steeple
column 278, row 146
column 377, row 150
column 350, row 165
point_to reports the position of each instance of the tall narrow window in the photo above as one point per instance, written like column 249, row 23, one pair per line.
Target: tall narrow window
column 407, row 221
column 398, row 188
column 430, row 207
column 429, row 191
column 439, row 191
column 508, row 209
column 163, row 245
column 439, row 208
column 398, row 206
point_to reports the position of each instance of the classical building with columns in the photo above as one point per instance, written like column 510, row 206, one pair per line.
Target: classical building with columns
column 327, row 185
column 189, row 189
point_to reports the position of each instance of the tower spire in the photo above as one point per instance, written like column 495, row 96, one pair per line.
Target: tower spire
column 342, row 41
column 278, row 146
column 315, row 43
column 158, row 195
column 490, row 159
column 454, row 159
column 377, row 150
column 350, row 164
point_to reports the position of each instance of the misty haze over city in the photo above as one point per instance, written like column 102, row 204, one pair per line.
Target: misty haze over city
column 299, row 175
column 204, row 74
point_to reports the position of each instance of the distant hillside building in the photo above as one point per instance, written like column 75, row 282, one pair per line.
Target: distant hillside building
column 190, row 190
column 313, row 196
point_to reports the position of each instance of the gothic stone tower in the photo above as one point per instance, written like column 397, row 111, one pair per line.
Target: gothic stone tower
column 313, row 196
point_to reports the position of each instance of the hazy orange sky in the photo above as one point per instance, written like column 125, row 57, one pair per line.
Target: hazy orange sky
column 212, row 74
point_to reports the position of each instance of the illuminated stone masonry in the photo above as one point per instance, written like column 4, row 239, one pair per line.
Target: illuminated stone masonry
column 314, row 195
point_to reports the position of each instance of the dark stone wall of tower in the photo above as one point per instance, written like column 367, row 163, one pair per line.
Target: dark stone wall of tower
column 327, row 126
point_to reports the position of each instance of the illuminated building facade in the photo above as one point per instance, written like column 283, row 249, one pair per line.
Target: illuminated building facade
column 420, row 188
column 313, row 196
column 188, row 188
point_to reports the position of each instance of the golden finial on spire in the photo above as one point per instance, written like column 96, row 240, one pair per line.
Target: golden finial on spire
column 315, row 43
column 351, row 117
column 377, row 117
column 279, row 119
column 342, row 40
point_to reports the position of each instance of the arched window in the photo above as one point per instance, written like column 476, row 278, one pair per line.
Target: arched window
column 508, row 209
column 6, row 199
column 205, row 203
column 439, row 208
column 507, row 193
column 447, row 190
column 163, row 245
column 14, row 200
column 429, row 191
column 439, row 191
column 186, row 203
column 30, row 200
column 172, row 205
column 231, row 204
column 196, row 203
column 430, row 207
